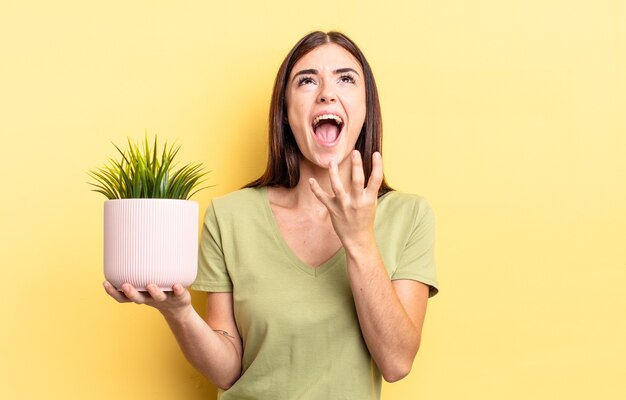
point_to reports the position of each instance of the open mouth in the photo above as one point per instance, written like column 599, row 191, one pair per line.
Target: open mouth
column 327, row 128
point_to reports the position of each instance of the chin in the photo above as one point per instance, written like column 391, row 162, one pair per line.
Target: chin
column 338, row 157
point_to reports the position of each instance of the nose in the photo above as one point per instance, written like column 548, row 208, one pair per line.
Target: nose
column 327, row 98
column 327, row 94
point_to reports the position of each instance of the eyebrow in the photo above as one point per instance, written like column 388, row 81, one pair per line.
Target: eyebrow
column 312, row 71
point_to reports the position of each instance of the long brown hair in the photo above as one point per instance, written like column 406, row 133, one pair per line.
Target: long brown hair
column 283, row 164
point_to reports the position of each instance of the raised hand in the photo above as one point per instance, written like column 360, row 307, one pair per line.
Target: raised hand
column 352, row 209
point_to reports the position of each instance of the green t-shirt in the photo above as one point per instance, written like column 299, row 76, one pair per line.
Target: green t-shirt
column 300, row 332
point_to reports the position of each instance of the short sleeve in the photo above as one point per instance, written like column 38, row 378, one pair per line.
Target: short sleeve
column 212, row 272
column 417, row 261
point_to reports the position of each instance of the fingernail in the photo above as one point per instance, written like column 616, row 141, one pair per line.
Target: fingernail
column 377, row 155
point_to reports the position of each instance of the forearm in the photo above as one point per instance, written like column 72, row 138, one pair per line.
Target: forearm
column 212, row 353
column 390, row 335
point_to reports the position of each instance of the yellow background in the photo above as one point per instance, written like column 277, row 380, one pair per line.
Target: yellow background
column 508, row 116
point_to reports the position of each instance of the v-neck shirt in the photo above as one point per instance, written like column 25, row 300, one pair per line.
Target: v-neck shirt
column 298, row 323
column 280, row 239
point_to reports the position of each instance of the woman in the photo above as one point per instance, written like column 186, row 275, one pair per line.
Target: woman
column 317, row 273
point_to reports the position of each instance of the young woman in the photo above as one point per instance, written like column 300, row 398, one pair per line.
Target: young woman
column 317, row 273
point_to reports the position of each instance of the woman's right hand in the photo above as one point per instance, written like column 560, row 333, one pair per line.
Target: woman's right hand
column 216, row 355
column 174, row 304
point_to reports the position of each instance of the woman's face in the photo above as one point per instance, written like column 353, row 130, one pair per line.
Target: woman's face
column 325, row 99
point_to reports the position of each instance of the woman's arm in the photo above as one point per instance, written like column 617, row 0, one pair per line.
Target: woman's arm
column 390, row 314
column 212, row 346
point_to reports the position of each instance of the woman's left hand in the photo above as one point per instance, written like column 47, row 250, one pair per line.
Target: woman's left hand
column 352, row 210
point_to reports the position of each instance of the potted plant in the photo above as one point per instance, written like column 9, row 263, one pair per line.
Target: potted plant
column 150, row 225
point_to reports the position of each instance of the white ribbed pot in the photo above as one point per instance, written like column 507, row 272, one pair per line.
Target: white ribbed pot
column 150, row 241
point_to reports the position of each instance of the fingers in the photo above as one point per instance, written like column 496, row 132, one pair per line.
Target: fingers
column 156, row 292
column 376, row 177
column 358, row 179
column 179, row 290
column 166, row 302
column 133, row 294
column 335, row 180
column 113, row 292
column 319, row 192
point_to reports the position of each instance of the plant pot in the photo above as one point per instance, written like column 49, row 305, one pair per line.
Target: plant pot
column 150, row 241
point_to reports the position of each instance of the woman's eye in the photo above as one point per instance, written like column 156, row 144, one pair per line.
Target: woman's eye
column 347, row 78
column 305, row 80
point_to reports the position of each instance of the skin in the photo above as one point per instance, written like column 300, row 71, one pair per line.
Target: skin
column 215, row 354
column 326, row 80
column 332, row 206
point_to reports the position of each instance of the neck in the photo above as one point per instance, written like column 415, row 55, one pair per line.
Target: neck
column 302, row 196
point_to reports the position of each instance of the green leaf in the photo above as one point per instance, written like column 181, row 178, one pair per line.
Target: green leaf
column 145, row 171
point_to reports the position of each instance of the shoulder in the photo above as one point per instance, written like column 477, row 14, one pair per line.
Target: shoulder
column 406, row 205
column 238, row 200
column 235, row 206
